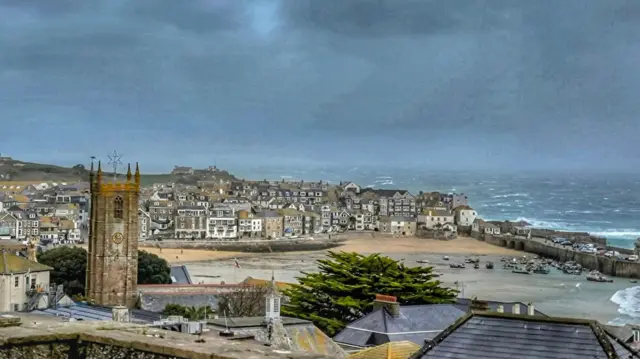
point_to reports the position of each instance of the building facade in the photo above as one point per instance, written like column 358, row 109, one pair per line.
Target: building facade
column 112, row 270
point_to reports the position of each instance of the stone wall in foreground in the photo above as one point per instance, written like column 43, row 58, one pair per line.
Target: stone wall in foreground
column 38, row 338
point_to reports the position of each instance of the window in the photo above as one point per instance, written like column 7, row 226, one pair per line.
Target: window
column 16, row 282
column 35, row 223
column 276, row 305
column 26, row 281
column 118, row 208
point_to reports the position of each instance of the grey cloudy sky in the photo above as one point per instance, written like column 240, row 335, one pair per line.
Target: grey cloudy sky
column 490, row 83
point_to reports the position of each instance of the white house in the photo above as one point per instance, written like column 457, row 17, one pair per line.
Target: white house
column 350, row 186
column 222, row 223
column 20, row 280
column 436, row 218
column 465, row 216
column 490, row 228
column 144, row 219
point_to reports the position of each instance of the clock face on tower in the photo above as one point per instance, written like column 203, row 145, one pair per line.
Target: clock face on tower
column 117, row 238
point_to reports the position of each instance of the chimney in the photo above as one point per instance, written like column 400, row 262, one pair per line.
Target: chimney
column 388, row 302
column 500, row 308
column 516, row 308
column 531, row 309
column 120, row 314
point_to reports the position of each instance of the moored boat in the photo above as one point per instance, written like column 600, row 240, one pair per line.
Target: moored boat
column 423, row 261
column 489, row 265
column 521, row 271
column 595, row 276
column 476, row 266
column 446, row 258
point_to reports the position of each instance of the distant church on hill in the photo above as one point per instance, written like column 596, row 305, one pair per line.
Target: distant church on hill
column 112, row 268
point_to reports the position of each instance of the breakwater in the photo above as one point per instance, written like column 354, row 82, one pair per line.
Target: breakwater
column 256, row 246
column 605, row 265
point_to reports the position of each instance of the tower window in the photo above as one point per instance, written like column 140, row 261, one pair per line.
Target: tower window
column 118, row 208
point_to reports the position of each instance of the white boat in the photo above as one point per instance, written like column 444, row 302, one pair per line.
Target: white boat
column 446, row 258
column 423, row 261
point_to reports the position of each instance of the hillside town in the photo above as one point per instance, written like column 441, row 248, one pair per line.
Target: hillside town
column 57, row 213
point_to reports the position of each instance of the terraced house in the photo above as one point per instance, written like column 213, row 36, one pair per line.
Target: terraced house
column 191, row 222
column 222, row 223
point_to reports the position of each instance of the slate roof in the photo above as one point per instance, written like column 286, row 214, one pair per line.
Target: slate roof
column 483, row 335
column 92, row 312
column 415, row 324
column 180, row 275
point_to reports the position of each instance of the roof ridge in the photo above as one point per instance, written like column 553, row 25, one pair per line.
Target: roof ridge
column 634, row 354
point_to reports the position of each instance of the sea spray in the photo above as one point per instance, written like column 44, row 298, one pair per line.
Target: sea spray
column 628, row 301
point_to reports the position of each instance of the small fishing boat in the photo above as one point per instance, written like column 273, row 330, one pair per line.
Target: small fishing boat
column 595, row 276
column 476, row 266
column 489, row 265
column 456, row 265
column 422, row 261
column 541, row 270
column 633, row 281
column 521, row 271
column 446, row 258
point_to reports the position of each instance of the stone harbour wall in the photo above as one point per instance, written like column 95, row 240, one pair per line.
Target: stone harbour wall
column 605, row 265
column 256, row 246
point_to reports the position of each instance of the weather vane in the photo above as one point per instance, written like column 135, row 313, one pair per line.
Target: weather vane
column 114, row 161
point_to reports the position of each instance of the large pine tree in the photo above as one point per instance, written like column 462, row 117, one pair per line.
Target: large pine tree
column 346, row 284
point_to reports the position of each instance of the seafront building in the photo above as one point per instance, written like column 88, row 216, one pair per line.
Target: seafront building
column 233, row 210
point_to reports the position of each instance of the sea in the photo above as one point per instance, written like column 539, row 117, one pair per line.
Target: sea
column 601, row 203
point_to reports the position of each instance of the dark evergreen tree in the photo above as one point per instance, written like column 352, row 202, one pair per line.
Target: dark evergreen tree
column 69, row 268
column 344, row 289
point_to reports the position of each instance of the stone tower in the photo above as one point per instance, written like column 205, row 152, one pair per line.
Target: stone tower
column 112, row 268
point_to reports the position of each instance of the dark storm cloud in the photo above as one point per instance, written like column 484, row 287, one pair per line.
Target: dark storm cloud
column 527, row 83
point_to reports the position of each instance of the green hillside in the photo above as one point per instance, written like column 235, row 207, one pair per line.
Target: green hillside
column 15, row 170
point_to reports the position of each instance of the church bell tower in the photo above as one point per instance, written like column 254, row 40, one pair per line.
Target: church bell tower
column 112, row 268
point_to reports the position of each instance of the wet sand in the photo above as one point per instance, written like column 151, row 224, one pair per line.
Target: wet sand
column 555, row 294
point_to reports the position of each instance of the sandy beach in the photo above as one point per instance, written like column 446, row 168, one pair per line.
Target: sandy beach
column 555, row 294
column 356, row 242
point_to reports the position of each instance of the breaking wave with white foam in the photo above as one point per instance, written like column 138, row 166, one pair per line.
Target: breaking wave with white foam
column 628, row 301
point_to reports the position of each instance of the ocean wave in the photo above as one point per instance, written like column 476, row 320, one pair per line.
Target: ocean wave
column 385, row 182
column 623, row 233
column 511, row 195
column 542, row 224
column 628, row 301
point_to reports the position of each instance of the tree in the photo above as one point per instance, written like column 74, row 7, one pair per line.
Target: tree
column 246, row 301
column 344, row 289
column 70, row 267
column 152, row 269
column 191, row 313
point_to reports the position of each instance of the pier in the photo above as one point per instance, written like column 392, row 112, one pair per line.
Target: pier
column 540, row 246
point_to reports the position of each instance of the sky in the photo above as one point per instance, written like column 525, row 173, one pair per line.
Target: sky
column 429, row 83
